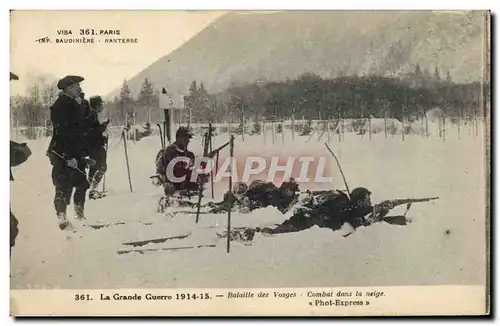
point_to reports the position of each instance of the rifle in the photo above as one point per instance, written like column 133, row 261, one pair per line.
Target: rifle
column 381, row 209
column 406, row 201
column 218, row 149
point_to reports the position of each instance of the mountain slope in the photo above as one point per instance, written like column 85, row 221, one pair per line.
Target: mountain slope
column 245, row 48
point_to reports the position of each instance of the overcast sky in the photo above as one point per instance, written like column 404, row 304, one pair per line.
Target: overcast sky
column 104, row 66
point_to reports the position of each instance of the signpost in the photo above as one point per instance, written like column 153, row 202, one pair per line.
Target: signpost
column 169, row 103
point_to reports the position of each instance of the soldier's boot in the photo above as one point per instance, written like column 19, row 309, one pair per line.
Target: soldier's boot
column 63, row 221
column 163, row 203
column 79, row 213
column 96, row 194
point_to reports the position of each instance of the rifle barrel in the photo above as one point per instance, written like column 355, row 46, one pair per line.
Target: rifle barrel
column 397, row 202
column 217, row 149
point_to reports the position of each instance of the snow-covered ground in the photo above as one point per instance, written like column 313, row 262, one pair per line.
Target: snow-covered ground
column 445, row 244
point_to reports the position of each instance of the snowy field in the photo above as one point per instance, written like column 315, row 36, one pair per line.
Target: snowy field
column 445, row 244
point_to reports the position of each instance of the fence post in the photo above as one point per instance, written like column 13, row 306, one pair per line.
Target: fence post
column 385, row 124
column 403, row 124
column 444, row 128
column 369, row 128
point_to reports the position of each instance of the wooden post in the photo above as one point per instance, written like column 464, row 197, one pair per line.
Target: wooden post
column 317, row 125
column 339, row 129
column 135, row 129
column 427, row 126
column 231, row 154
column 167, row 126
column 444, row 128
column 273, row 130
column 328, row 125
column 149, row 114
column 264, row 131
column 403, row 124
column 230, row 123
column 475, row 123
column 369, row 128
column 242, row 128
column 440, row 129
column 385, row 124
column 282, row 131
column 422, row 126
column 343, row 129
column 200, row 191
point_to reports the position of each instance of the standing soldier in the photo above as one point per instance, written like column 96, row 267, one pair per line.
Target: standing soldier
column 67, row 150
column 19, row 153
column 96, row 141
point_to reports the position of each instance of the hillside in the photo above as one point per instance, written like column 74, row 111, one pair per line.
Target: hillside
column 244, row 48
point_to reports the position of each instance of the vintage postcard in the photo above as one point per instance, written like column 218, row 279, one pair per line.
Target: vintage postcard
column 250, row 163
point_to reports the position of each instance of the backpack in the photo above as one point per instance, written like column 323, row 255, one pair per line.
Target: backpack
column 159, row 155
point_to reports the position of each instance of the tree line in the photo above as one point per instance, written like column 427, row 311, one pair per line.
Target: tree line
column 312, row 97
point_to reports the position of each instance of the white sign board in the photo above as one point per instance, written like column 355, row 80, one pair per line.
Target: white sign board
column 168, row 101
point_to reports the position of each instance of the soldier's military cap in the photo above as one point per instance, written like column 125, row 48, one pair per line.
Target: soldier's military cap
column 360, row 193
column 95, row 101
column 183, row 132
column 69, row 80
column 13, row 77
column 240, row 188
column 291, row 185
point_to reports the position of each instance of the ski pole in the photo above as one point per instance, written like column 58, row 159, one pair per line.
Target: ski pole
column 106, row 158
column 126, row 159
column 210, row 144
column 76, row 168
column 231, row 150
column 341, row 172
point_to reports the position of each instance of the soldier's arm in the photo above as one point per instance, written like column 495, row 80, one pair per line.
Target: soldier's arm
column 378, row 212
column 168, row 155
column 101, row 127
column 245, row 206
column 60, row 125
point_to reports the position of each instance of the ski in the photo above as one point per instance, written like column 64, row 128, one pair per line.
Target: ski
column 160, row 240
column 105, row 225
column 142, row 251
column 172, row 214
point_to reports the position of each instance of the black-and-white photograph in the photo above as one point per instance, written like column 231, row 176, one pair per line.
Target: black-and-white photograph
column 249, row 150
